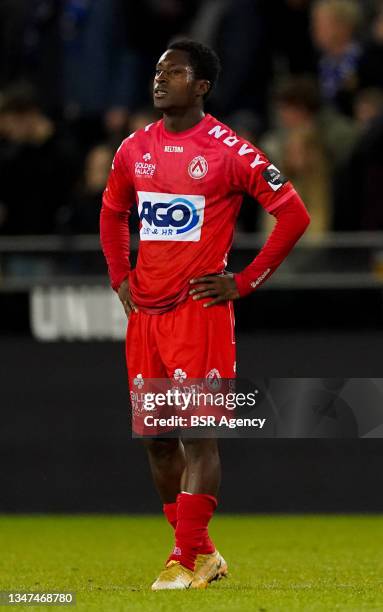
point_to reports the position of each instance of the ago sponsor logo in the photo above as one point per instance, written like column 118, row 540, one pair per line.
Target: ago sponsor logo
column 169, row 216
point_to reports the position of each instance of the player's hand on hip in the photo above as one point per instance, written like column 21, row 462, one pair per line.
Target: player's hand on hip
column 221, row 287
column 126, row 298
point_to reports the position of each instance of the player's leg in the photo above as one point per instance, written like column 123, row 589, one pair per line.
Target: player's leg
column 197, row 501
column 191, row 514
column 203, row 344
column 166, row 455
column 167, row 464
column 203, row 475
column 203, row 466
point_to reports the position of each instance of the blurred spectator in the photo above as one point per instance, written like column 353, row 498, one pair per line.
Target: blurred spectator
column 38, row 164
column 370, row 72
column 142, row 118
column 358, row 188
column 116, row 122
column 306, row 163
column 298, row 105
column 335, row 25
column 290, row 28
column 309, row 135
column 30, row 48
column 82, row 214
column 95, row 59
column 254, row 39
column 239, row 30
column 368, row 106
column 96, row 68
column 303, row 158
column 109, row 57
column 149, row 26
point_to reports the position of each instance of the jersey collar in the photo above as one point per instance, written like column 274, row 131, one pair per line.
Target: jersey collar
column 186, row 133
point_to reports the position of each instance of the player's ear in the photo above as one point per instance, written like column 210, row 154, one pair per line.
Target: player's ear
column 203, row 87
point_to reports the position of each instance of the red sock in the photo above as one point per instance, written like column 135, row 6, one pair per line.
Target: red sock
column 207, row 546
column 193, row 515
column 170, row 511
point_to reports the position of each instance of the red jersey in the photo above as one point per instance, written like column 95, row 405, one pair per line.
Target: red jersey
column 188, row 187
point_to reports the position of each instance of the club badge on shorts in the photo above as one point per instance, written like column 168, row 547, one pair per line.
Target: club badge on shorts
column 213, row 379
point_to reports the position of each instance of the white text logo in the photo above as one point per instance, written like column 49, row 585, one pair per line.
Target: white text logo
column 230, row 141
column 144, row 169
column 173, row 149
column 255, row 284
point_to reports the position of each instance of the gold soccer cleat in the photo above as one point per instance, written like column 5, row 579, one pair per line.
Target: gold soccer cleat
column 208, row 568
column 174, row 576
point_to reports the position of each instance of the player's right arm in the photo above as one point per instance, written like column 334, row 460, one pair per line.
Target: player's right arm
column 117, row 202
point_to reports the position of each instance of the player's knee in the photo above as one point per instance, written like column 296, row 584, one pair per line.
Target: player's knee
column 200, row 447
column 160, row 448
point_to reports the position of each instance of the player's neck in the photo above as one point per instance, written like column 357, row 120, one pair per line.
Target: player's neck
column 179, row 122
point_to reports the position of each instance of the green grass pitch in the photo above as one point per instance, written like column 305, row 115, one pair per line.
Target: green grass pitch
column 276, row 563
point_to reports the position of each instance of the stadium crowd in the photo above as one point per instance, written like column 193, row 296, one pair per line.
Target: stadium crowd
column 303, row 79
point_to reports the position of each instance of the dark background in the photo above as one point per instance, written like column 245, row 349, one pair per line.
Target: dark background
column 65, row 439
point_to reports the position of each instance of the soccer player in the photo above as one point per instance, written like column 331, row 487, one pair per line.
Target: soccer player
column 188, row 173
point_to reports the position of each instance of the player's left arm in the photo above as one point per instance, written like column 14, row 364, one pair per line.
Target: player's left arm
column 277, row 196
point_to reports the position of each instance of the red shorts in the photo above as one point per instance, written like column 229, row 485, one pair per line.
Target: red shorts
column 188, row 342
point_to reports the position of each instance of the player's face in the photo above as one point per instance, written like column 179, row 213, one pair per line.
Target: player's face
column 174, row 84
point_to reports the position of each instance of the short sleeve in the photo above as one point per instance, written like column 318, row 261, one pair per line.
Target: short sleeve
column 119, row 193
column 255, row 175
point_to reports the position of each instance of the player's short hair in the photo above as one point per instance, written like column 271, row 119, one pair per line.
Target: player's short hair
column 204, row 60
column 347, row 11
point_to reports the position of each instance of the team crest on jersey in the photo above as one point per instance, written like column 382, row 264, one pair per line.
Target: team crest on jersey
column 198, row 167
